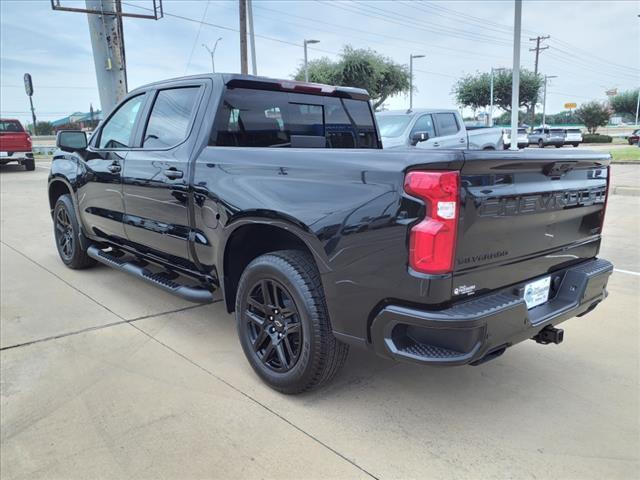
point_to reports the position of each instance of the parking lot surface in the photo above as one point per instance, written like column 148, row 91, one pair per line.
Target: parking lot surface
column 104, row 376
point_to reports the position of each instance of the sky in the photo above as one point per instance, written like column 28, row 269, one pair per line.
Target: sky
column 594, row 46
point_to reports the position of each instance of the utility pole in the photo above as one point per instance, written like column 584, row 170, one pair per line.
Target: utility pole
column 252, row 39
column 515, row 84
column 411, row 57
column 493, row 70
column 637, row 109
column 244, row 66
column 539, row 39
column 212, row 52
column 108, row 53
column 107, row 43
column 306, row 64
column 544, row 99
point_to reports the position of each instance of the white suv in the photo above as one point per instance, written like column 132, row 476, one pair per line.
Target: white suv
column 573, row 137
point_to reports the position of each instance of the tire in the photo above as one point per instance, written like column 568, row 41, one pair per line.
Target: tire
column 70, row 241
column 541, row 143
column 630, row 142
column 312, row 355
column 29, row 164
column 558, row 146
column 576, row 144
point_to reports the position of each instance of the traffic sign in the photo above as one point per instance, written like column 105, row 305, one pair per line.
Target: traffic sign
column 28, row 84
column 570, row 105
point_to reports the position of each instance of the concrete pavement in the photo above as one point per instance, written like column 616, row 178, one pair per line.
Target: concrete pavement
column 104, row 376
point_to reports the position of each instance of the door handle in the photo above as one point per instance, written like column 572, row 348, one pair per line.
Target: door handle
column 173, row 173
column 462, row 140
column 114, row 167
column 436, row 144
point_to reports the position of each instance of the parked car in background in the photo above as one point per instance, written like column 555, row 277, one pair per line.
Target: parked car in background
column 434, row 128
column 573, row 136
column 634, row 137
column 15, row 144
column 547, row 136
column 523, row 138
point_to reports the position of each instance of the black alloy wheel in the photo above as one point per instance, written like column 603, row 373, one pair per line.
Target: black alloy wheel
column 273, row 328
column 64, row 234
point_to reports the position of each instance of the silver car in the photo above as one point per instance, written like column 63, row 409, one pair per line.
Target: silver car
column 547, row 136
column 573, row 137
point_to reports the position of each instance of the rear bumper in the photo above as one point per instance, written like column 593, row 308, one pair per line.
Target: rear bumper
column 15, row 156
column 478, row 329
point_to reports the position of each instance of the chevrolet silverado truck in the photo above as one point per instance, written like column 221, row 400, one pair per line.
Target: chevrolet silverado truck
column 277, row 198
column 15, row 144
column 434, row 129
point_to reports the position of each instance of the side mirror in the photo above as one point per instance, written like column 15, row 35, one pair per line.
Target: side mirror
column 71, row 140
column 418, row 137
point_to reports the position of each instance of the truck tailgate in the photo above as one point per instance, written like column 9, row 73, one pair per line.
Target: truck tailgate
column 526, row 214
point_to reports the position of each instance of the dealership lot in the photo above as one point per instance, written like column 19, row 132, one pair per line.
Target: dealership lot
column 106, row 377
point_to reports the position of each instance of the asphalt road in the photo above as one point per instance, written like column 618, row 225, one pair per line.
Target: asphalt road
column 106, row 377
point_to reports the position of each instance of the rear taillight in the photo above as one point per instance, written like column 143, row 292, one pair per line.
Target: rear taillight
column 606, row 199
column 432, row 241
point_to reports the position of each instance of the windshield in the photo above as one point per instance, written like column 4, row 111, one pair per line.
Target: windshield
column 392, row 125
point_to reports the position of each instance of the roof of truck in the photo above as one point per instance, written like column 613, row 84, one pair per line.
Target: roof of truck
column 266, row 83
column 417, row 111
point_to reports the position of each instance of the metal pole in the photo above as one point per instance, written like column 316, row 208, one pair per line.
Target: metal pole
column 410, row 82
column 106, row 43
column 638, row 108
column 306, row 65
column 515, row 84
column 491, row 93
column 544, row 103
column 33, row 114
column 244, row 67
column 252, row 39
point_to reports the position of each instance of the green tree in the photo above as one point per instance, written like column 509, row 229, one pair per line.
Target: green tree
column 44, row 128
column 474, row 90
column 360, row 68
column 625, row 102
column 593, row 114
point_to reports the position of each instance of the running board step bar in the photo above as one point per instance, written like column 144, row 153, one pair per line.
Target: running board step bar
column 192, row 294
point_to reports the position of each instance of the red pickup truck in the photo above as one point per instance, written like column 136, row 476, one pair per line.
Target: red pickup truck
column 15, row 144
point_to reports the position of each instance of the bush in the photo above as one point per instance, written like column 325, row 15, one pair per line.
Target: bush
column 596, row 138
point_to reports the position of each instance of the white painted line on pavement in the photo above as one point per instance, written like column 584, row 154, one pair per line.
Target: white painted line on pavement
column 627, row 271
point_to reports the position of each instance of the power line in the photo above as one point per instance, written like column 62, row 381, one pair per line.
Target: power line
column 195, row 41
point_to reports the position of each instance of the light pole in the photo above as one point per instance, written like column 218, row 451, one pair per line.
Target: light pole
column 212, row 52
column 544, row 99
column 515, row 81
column 411, row 57
column 306, row 65
column 637, row 109
column 491, row 93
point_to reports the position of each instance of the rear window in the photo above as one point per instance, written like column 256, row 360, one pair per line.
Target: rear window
column 573, row 130
column 263, row 118
column 557, row 130
column 10, row 126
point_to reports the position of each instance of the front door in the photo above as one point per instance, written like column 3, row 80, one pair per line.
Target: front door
column 100, row 194
column 156, row 176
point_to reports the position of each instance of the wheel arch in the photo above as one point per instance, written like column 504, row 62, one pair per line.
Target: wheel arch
column 252, row 237
column 58, row 187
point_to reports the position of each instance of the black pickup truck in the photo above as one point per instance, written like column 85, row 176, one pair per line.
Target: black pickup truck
column 277, row 198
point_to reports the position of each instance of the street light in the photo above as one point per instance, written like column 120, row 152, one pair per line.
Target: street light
column 544, row 99
column 411, row 57
column 212, row 53
column 493, row 70
column 306, row 66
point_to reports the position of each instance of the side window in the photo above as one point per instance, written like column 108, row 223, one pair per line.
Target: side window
column 170, row 115
column 424, row 124
column 117, row 132
column 447, row 124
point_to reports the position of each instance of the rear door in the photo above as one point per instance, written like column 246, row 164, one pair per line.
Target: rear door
column 156, row 174
column 451, row 134
column 525, row 215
